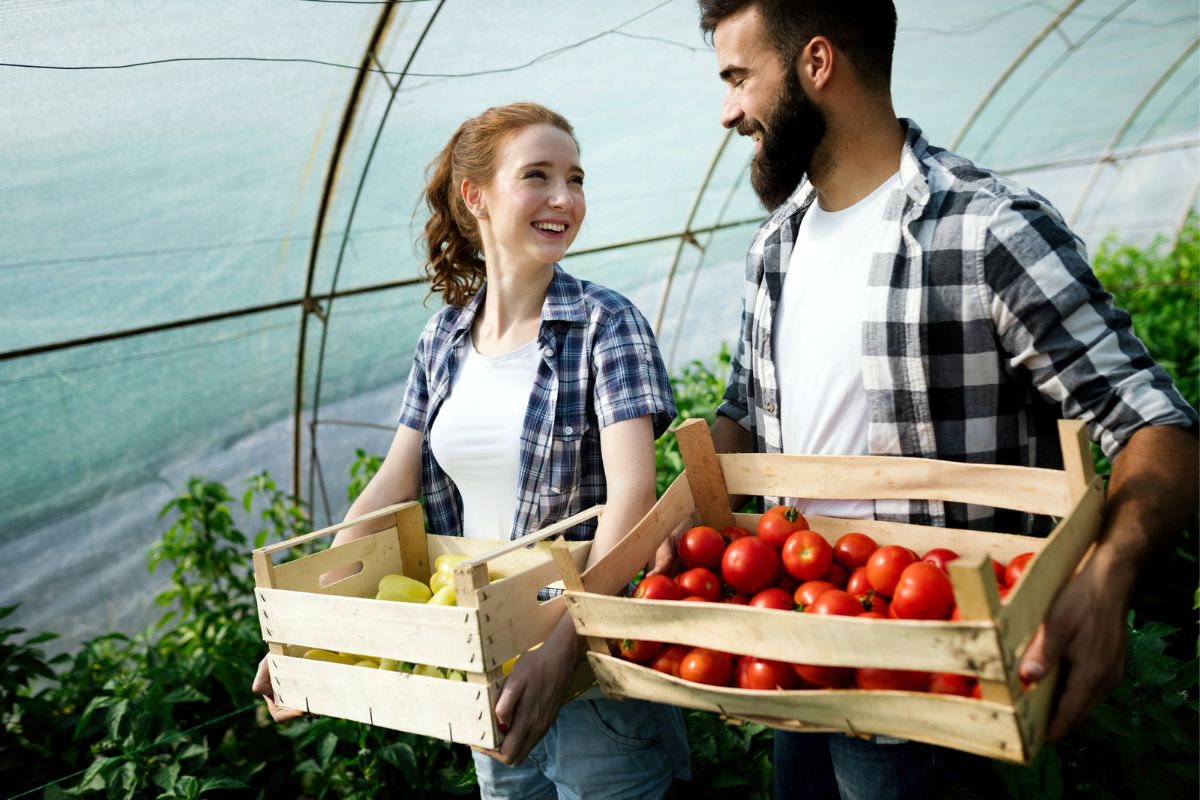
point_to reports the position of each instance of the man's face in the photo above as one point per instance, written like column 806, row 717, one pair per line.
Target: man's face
column 765, row 101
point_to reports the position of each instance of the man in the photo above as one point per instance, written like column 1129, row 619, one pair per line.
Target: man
column 902, row 301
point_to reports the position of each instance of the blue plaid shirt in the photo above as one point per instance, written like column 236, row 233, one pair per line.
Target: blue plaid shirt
column 600, row 365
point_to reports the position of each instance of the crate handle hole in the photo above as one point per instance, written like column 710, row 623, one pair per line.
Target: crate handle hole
column 340, row 574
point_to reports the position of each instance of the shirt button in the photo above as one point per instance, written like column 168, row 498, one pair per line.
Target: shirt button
column 548, row 352
column 770, row 408
column 568, row 430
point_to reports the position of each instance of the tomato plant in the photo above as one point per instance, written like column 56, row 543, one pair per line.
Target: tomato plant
column 852, row 550
column 885, row 565
column 807, row 556
column 702, row 665
column 749, row 565
column 780, row 522
column 701, row 546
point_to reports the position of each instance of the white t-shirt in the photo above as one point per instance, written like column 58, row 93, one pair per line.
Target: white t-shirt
column 476, row 436
column 817, row 338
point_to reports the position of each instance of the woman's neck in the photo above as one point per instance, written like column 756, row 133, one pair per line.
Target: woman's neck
column 512, row 308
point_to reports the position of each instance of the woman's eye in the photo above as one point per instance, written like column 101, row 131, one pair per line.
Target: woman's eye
column 537, row 173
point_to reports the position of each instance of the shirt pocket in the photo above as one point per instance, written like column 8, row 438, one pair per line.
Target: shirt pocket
column 566, row 456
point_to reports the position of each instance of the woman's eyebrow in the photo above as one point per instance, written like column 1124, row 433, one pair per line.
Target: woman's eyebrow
column 572, row 168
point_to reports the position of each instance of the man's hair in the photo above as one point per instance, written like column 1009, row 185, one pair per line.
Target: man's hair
column 865, row 30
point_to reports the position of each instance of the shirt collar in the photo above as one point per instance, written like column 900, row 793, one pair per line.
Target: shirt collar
column 564, row 302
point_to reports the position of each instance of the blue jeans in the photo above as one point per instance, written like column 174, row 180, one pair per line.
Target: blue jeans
column 602, row 749
column 829, row 766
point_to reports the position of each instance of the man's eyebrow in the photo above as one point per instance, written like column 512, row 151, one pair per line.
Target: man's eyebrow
column 731, row 72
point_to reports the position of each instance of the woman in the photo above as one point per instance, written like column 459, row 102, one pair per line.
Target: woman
column 532, row 396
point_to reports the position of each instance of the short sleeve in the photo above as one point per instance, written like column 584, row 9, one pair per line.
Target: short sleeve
column 630, row 377
column 414, row 406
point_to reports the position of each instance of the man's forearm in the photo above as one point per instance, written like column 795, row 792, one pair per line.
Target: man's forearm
column 1151, row 495
column 729, row 437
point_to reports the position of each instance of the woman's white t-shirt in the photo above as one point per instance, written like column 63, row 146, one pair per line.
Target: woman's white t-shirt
column 476, row 436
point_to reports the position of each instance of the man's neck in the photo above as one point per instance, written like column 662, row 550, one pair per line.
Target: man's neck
column 859, row 153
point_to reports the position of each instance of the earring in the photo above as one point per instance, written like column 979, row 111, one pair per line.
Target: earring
column 482, row 214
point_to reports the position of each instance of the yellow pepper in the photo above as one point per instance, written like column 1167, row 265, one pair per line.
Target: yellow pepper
column 317, row 654
column 445, row 596
column 403, row 589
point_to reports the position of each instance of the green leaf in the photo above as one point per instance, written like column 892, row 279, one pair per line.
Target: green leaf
column 166, row 776
column 400, row 755
column 325, row 749
column 212, row 784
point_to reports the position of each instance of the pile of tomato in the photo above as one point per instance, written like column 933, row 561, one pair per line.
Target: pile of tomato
column 786, row 566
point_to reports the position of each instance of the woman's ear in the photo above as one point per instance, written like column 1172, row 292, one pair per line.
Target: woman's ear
column 472, row 195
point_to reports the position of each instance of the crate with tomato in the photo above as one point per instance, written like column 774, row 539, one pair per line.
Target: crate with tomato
column 828, row 624
column 419, row 636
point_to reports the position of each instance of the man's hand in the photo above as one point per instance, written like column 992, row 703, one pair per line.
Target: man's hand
column 262, row 685
column 666, row 557
column 532, row 694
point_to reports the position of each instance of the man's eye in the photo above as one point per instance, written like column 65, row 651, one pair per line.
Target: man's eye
column 578, row 179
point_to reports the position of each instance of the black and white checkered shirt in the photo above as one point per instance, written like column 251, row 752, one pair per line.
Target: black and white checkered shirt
column 984, row 324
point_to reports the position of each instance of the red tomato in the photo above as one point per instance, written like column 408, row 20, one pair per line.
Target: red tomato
column 949, row 683
column 998, row 568
column 760, row 673
column 923, row 592
column 749, row 565
column 838, row 575
column 807, row 556
column 852, row 550
column 837, row 602
column 734, row 598
column 734, row 532
column 871, row 615
column 701, row 546
column 658, row 587
column 695, row 598
column 702, row 665
column 668, row 659
column 700, row 581
column 939, row 557
column 786, row 582
column 873, row 601
column 639, row 650
column 899, row 680
column 857, row 583
column 775, row 526
column 1016, row 568
column 807, row 593
column 977, row 691
column 885, row 565
column 773, row 597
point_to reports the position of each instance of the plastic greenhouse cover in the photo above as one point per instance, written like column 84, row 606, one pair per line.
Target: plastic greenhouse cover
column 176, row 169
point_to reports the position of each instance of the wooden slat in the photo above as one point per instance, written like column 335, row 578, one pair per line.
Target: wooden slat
column 1077, row 457
column 264, row 577
column 1026, row 605
column 704, row 473
column 510, row 615
column 387, row 511
column 531, row 539
column 573, row 582
column 449, row 710
column 1033, row 711
column 443, row 636
column 962, row 647
column 922, row 538
column 976, row 726
column 378, row 553
column 410, row 538
column 1039, row 491
column 978, row 599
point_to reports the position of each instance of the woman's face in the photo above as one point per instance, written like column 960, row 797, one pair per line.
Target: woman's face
column 534, row 204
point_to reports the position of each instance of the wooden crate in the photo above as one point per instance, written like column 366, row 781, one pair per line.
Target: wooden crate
column 492, row 622
column 1008, row 723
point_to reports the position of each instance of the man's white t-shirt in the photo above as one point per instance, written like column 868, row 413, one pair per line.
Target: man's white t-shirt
column 817, row 338
column 476, row 436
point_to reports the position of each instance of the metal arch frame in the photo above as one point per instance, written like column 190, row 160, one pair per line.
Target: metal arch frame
column 687, row 237
column 1008, row 72
column 382, row 25
column 1034, row 86
column 1106, row 157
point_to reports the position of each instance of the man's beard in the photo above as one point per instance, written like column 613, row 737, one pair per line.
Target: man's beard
column 793, row 129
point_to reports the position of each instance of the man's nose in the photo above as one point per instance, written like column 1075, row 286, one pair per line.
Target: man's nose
column 731, row 112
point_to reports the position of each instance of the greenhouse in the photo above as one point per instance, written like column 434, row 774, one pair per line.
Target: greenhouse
column 208, row 268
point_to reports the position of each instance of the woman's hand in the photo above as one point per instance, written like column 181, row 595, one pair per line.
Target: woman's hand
column 533, row 692
column 262, row 685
